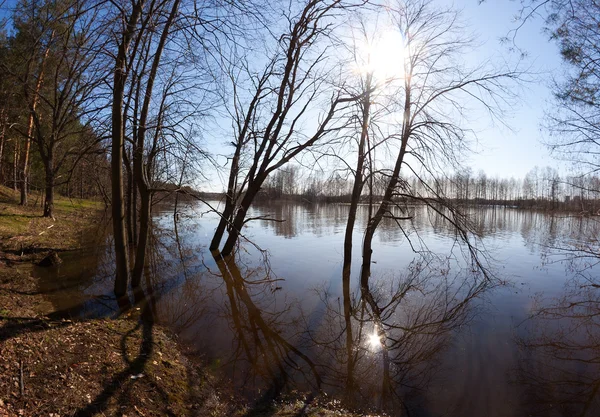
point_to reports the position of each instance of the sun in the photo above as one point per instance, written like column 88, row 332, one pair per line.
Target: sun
column 383, row 55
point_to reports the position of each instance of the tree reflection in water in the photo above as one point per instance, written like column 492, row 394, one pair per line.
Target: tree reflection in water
column 261, row 335
column 559, row 363
column 274, row 346
column 397, row 343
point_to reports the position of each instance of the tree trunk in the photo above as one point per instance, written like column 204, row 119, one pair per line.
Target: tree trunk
column 129, row 207
column 49, row 199
column 25, row 162
column 229, row 200
column 347, row 263
column 118, row 210
column 240, row 216
column 374, row 222
column 2, row 142
column 225, row 219
column 24, row 173
column 140, row 254
column 16, row 166
column 140, row 172
column 367, row 250
column 121, row 258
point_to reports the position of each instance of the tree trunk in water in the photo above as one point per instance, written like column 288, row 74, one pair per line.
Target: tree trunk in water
column 225, row 219
column 229, row 202
column 118, row 211
column 347, row 263
column 140, row 255
column 383, row 208
column 240, row 216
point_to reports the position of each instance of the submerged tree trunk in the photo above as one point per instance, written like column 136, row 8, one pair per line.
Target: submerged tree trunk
column 142, row 243
column 347, row 263
column 230, row 199
column 240, row 216
column 225, row 219
column 118, row 210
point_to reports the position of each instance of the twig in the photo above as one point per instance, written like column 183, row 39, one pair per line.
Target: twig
column 21, row 383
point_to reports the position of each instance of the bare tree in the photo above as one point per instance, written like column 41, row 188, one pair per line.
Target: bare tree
column 280, row 100
column 158, row 97
column 428, row 133
column 432, row 92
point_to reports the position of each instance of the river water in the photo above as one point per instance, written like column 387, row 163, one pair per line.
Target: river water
column 521, row 341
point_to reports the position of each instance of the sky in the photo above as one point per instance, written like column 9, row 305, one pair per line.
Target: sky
column 507, row 152
column 501, row 151
column 504, row 150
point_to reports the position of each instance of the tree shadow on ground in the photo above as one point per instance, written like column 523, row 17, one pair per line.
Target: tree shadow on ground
column 116, row 387
column 122, row 382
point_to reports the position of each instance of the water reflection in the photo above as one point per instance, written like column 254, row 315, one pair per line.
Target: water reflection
column 398, row 333
column 559, row 364
column 260, row 335
column 423, row 340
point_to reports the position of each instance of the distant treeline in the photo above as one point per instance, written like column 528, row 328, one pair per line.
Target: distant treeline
column 541, row 188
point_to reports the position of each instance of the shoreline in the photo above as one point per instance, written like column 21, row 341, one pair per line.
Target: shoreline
column 51, row 365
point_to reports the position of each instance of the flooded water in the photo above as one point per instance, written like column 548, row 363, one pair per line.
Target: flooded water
column 523, row 341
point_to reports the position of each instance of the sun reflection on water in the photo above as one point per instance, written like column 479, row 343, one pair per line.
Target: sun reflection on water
column 374, row 341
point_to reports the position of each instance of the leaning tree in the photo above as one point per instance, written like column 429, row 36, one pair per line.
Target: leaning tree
column 277, row 108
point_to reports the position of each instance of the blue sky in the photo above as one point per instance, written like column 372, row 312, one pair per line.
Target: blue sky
column 501, row 151
column 504, row 152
